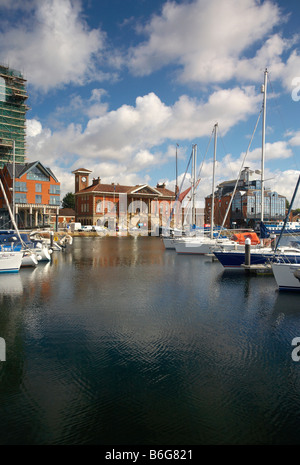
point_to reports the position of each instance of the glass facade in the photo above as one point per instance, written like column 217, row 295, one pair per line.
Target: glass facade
column 36, row 174
column 274, row 205
column 12, row 115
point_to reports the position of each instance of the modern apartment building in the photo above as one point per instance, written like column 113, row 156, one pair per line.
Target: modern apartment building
column 13, row 110
column 36, row 198
column 245, row 208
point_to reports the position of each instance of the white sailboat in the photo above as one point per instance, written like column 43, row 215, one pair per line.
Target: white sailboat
column 202, row 244
column 260, row 254
column 287, row 272
column 10, row 259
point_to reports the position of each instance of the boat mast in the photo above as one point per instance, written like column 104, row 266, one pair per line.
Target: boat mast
column 176, row 185
column 194, row 183
column 10, row 211
column 264, row 91
column 213, row 185
column 288, row 214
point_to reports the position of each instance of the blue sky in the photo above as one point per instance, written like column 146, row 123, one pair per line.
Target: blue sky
column 114, row 85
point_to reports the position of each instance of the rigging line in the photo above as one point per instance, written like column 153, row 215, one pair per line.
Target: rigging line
column 179, row 191
column 226, row 152
column 200, row 169
column 282, row 120
column 236, row 184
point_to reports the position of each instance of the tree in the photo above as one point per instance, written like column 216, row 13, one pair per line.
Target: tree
column 68, row 201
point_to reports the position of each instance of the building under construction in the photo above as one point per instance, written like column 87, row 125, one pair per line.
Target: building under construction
column 13, row 110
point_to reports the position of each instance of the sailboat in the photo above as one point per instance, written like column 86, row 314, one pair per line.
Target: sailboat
column 12, row 255
column 287, row 274
column 170, row 236
column 202, row 244
column 260, row 254
column 10, row 259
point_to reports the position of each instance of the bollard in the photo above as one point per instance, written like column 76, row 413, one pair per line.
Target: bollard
column 51, row 238
column 273, row 241
column 247, row 251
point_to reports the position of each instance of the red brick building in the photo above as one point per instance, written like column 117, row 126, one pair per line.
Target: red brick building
column 37, row 195
column 117, row 206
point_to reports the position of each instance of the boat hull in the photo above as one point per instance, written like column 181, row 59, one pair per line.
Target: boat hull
column 10, row 262
column 287, row 276
column 235, row 260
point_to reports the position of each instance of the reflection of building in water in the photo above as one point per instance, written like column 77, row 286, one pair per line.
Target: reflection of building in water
column 115, row 204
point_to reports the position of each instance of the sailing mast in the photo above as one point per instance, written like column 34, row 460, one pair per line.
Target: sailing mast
column 194, row 184
column 264, row 91
column 213, row 185
column 176, row 185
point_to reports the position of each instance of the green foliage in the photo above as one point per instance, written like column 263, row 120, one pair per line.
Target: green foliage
column 68, row 201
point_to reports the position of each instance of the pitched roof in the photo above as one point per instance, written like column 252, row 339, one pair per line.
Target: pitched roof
column 120, row 189
column 23, row 168
column 81, row 170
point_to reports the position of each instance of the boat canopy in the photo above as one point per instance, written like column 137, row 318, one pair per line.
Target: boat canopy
column 241, row 237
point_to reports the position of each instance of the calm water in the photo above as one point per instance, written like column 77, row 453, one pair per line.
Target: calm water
column 119, row 341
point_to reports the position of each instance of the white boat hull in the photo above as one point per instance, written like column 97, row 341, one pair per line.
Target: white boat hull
column 10, row 262
column 29, row 259
column 287, row 276
column 204, row 246
column 169, row 242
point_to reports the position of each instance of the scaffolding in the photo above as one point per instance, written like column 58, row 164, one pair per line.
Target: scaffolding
column 13, row 110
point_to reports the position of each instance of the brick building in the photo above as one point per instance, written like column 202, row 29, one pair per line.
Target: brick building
column 117, row 206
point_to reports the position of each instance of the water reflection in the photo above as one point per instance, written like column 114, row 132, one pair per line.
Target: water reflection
column 118, row 342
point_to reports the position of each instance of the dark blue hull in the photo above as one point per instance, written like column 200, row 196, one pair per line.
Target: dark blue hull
column 237, row 259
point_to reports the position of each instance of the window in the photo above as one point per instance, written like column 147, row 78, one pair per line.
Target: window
column 54, row 200
column 20, row 186
column 38, row 199
column 20, row 198
column 37, row 174
column 38, row 188
column 54, row 189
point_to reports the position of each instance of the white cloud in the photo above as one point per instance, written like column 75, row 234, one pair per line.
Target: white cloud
column 276, row 150
column 33, row 128
column 53, row 47
column 206, row 39
column 295, row 139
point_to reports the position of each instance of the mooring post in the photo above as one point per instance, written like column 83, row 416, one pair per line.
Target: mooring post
column 247, row 251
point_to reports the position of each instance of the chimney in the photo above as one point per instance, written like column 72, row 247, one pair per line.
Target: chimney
column 96, row 181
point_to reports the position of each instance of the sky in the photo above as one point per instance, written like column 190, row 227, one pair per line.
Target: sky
column 120, row 86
